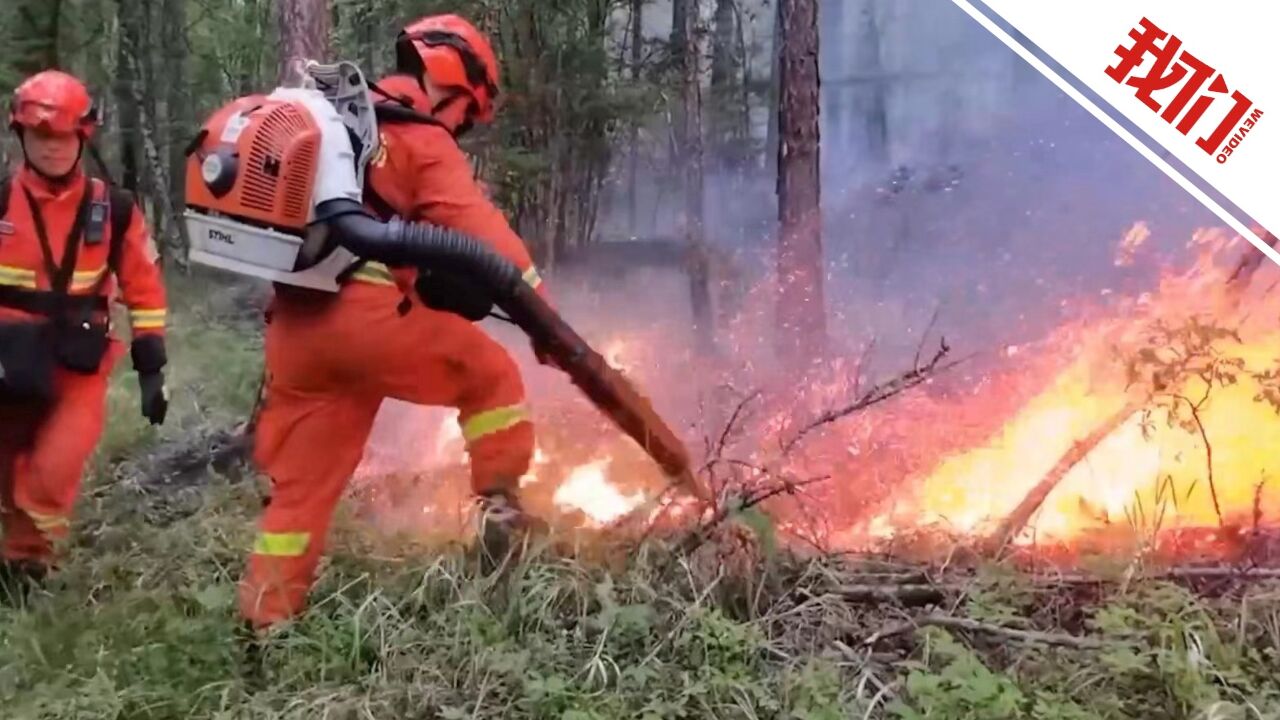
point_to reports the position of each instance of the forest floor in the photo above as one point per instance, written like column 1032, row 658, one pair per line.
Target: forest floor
column 140, row 621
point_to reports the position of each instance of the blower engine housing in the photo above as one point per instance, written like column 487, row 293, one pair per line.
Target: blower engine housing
column 261, row 166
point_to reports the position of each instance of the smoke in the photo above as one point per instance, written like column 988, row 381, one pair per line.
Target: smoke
column 955, row 179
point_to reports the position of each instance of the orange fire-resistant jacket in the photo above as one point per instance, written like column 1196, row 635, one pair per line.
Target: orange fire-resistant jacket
column 22, row 262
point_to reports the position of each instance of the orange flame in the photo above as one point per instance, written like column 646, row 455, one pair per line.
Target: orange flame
column 960, row 458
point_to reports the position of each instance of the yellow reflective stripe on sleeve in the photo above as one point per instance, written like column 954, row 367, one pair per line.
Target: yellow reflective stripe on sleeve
column 493, row 421
column 17, row 277
column 374, row 273
column 532, row 278
column 147, row 319
column 85, row 279
column 289, row 544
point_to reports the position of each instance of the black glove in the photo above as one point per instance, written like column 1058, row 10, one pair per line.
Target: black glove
column 155, row 397
column 149, row 358
column 453, row 293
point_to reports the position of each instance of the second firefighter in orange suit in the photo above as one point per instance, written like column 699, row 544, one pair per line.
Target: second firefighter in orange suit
column 332, row 361
column 60, row 263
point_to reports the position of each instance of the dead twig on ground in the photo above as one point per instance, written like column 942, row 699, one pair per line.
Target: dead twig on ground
column 782, row 486
column 1216, row 572
column 909, row 595
column 1000, row 631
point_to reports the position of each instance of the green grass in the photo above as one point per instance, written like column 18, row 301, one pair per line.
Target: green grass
column 140, row 622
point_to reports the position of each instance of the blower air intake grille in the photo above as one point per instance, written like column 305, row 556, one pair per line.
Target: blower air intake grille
column 272, row 148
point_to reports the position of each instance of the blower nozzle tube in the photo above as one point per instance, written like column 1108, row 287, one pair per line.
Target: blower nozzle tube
column 399, row 243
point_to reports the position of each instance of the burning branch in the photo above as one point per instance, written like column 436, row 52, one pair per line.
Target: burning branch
column 878, row 393
column 1175, row 356
column 1249, row 264
column 1021, row 515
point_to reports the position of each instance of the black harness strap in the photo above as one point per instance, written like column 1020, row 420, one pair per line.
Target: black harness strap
column 56, row 300
column 60, row 277
column 121, row 219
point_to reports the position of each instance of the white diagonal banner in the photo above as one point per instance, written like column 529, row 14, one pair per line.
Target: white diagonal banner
column 1196, row 77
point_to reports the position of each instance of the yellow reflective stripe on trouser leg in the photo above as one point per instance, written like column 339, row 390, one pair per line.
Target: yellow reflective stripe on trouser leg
column 531, row 277
column 287, row 544
column 493, row 421
column 48, row 523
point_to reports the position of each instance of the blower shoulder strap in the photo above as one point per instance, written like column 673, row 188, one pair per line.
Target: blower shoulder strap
column 384, row 211
column 390, row 113
column 121, row 217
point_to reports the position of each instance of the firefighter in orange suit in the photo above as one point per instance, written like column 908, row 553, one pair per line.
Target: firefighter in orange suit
column 405, row 334
column 66, row 241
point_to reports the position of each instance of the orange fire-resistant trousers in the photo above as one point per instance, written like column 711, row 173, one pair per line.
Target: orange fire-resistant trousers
column 42, row 458
column 329, row 366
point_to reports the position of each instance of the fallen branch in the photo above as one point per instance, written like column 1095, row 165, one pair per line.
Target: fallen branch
column 1180, row 573
column 908, row 595
column 1021, row 515
column 975, row 626
column 879, row 393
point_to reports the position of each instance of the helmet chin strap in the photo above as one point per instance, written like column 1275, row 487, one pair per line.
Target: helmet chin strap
column 59, row 180
column 463, row 127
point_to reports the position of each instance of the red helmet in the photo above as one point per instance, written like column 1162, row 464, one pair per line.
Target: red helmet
column 55, row 100
column 454, row 54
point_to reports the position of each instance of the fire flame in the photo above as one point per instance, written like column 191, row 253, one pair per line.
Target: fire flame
column 963, row 460
column 587, row 488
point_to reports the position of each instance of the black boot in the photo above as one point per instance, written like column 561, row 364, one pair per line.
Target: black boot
column 251, row 642
column 19, row 579
column 503, row 528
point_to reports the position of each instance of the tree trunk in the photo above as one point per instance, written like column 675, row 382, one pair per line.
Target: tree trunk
column 801, row 308
column 775, row 95
column 128, row 34
column 726, row 80
column 633, row 135
column 833, row 16
column 156, row 161
column 178, row 111
column 304, row 27
column 367, row 31
column 691, row 156
column 869, row 62
column 33, row 38
column 679, row 15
